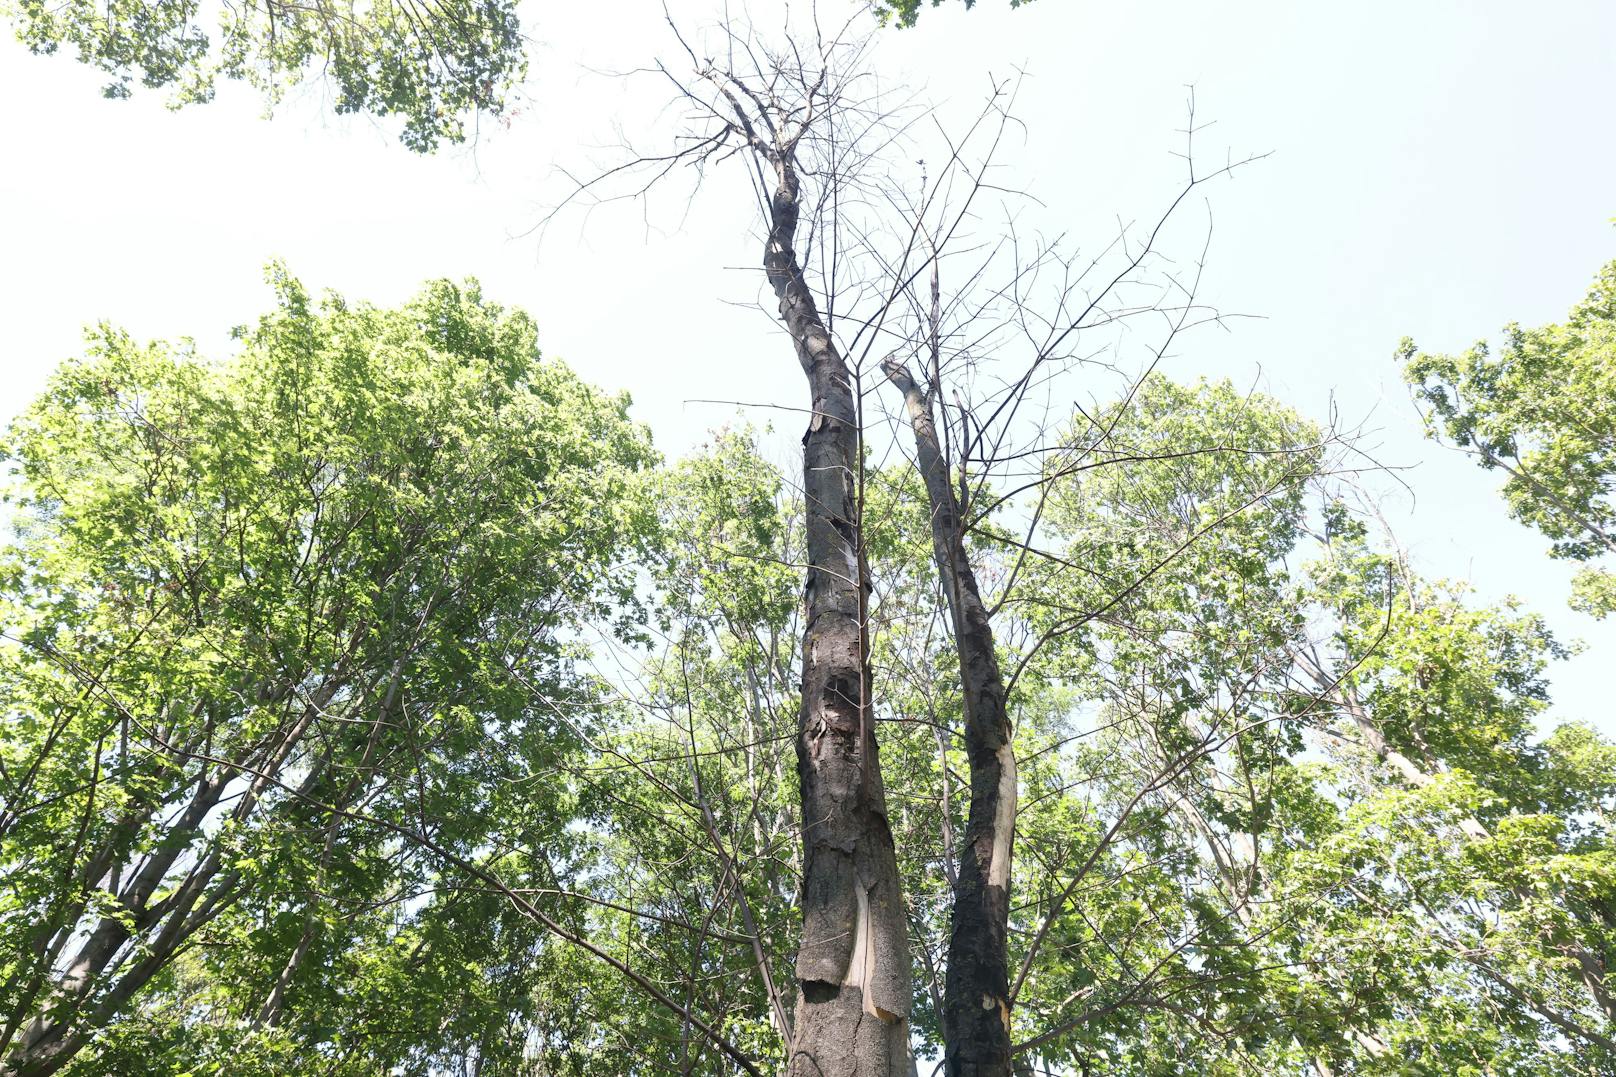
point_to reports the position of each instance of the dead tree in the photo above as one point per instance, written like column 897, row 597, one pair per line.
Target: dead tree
column 966, row 486
column 976, row 993
column 800, row 116
column 852, row 964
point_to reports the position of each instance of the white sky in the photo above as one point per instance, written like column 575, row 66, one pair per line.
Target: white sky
column 1439, row 169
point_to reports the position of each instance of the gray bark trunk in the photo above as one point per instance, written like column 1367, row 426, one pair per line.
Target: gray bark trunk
column 976, row 986
column 853, row 964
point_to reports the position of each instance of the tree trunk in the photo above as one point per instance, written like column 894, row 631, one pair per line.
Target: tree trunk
column 976, row 987
column 853, row 964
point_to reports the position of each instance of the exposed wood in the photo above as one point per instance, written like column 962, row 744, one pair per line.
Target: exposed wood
column 853, row 965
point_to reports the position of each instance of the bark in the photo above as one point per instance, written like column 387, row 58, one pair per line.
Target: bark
column 976, row 986
column 852, row 1016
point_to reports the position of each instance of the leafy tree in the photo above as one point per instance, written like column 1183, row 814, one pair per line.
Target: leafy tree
column 1542, row 410
column 286, row 642
column 1168, row 610
column 1317, row 822
column 430, row 64
column 1249, row 787
column 692, row 814
column 1486, row 839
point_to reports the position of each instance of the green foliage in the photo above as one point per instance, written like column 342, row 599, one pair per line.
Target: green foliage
column 1544, row 411
column 688, row 807
column 286, row 639
column 1475, row 864
column 1283, row 804
column 428, row 64
column 1240, row 879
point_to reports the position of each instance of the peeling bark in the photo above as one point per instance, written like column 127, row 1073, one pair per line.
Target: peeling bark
column 852, row 1016
column 976, row 988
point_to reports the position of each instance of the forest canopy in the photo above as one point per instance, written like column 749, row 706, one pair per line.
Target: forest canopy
column 430, row 63
column 295, row 745
column 379, row 699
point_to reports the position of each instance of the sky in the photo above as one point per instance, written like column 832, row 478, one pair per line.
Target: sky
column 1436, row 170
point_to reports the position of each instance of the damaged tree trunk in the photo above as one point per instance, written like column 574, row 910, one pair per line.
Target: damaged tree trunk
column 853, row 964
column 976, row 990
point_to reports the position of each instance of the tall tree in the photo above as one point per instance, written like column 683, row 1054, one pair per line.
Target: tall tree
column 976, row 999
column 283, row 639
column 793, row 114
column 1543, row 411
column 853, row 963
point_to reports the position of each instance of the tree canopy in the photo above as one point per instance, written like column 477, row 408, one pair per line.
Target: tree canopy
column 375, row 700
column 284, row 639
column 1543, row 411
column 430, row 64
